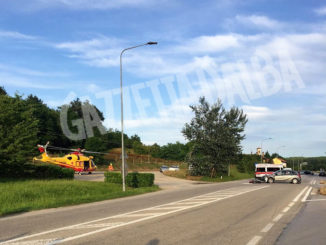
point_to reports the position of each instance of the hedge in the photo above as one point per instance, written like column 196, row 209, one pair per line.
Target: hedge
column 113, row 177
column 134, row 180
column 31, row 171
column 50, row 172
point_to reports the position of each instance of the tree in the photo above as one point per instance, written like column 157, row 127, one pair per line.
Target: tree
column 216, row 135
column 3, row 91
column 18, row 134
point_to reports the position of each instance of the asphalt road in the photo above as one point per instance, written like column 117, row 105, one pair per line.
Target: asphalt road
column 225, row 213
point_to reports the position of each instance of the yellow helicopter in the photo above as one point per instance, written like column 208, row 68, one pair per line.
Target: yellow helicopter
column 75, row 160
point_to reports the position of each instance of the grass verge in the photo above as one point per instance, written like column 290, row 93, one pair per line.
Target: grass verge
column 27, row 195
column 234, row 175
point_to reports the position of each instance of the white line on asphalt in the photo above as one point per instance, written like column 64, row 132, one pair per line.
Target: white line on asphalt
column 306, row 195
column 254, row 240
column 139, row 215
column 267, row 227
column 172, row 207
column 314, row 182
column 315, row 200
column 194, row 202
column 278, row 217
column 299, row 195
column 291, row 204
column 286, row 209
column 177, row 209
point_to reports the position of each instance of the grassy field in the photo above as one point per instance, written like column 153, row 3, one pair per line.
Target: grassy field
column 21, row 196
column 235, row 175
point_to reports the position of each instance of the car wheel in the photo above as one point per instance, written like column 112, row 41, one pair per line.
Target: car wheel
column 295, row 181
column 270, row 180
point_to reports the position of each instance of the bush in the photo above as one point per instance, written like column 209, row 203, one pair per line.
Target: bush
column 50, row 172
column 113, row 177
column 134, row 180
column 31, row 171
column 140, row 180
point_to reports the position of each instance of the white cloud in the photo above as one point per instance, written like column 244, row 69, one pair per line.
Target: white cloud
column 99, row 52
column 321, row 11
column 16, row 35
column 30, row 72
column 208, row 44
column 258, row 21
column 256, row 112
column 9, row 80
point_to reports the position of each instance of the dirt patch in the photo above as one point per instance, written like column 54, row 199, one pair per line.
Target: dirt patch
column 322, row 182
column 322, row 190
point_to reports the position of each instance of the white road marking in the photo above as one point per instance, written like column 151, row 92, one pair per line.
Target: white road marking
column 278, row 217
column 99, row 225
column 315, row 200
column 267, row 227
column 140, row 215
column 286, row 209
column 299, row 195
column 306, row 195
column 233, row 192
column 254, row 240
column 172, row 207
column 35, row 242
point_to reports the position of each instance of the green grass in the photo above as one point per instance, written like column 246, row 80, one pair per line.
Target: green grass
column 21, row 196
column 234, row 175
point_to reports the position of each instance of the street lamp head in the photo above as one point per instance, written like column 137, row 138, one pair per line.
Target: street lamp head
column 151, row 43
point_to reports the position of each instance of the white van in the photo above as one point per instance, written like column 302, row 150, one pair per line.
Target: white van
column 264, row 169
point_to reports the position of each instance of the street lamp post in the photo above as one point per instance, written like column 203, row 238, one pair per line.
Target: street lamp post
column 121, row 97
column 261, row 148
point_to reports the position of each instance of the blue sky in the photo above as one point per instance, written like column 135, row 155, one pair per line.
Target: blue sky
column 267, row 57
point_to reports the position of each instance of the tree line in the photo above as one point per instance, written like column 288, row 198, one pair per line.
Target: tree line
column 214, row 135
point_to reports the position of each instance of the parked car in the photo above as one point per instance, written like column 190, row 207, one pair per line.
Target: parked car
column 308, row 172
column 288, row 176
column 164, row 168
column 174, row 168
column 322, row 174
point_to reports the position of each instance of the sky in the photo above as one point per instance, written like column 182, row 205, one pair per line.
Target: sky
column 265, row 57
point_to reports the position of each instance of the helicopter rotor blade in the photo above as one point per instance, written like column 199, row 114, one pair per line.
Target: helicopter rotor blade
column 77, row 150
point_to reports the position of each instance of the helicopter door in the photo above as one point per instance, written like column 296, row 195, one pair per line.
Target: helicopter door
column 86, row 165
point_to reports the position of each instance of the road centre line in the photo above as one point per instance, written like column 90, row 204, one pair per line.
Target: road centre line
column 286, row 209
column 316, row 200
column 306, row 195
column 291, row 204
column 278, row 217
column 300, row 194
column 267, row 227
column 176, row 209
column 131, row 222
column 254, row 240
column 172, row 207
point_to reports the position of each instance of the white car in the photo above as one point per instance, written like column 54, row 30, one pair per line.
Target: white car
column 174, row 168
